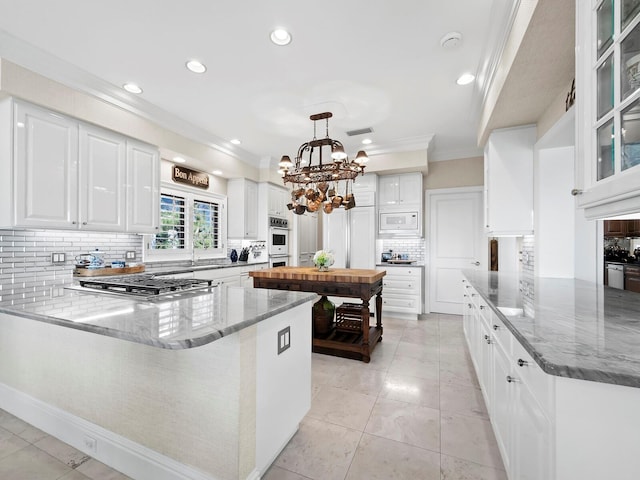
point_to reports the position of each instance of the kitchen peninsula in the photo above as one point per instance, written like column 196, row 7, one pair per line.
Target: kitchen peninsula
column 341, row 282
column 186, row 387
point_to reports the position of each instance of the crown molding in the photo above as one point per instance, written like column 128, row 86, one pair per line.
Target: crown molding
column 37, row 60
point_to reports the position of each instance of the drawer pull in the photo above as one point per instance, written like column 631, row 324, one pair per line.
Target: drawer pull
column 522, row 362
column 474, row 294
column 482, row 307
column 469, row 305
column 488, row 341
column 511, row 379
column 496, row 327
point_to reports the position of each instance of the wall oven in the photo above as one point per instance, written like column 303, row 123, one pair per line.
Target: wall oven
column 278, row 236
column 278, row 261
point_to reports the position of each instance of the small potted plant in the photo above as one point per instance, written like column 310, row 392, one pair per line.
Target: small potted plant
column 323, row 260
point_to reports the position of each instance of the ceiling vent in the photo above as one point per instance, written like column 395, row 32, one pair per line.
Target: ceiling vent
column 362, row 131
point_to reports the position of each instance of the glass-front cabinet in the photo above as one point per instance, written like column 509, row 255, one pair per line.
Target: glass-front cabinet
column 608, row 106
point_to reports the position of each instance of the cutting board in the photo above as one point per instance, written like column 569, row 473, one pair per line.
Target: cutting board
column 101, row 272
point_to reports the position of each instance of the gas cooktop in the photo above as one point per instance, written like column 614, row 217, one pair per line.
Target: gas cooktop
column 147, row 285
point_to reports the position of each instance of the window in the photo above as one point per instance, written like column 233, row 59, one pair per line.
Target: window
column 192, row 227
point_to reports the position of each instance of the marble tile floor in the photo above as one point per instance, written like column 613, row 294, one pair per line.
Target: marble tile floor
column 415, row 412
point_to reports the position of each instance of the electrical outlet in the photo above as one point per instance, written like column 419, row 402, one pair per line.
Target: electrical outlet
column 130, row 255
column 58, row 258
column 90, row 443
column 284, row 339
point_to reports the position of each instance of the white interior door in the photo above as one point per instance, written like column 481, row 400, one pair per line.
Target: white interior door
column 455, row 244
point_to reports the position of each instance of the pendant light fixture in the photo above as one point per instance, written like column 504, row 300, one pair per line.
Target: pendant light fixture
column 321, row 181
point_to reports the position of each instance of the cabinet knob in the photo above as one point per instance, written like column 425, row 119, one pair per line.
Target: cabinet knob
column 488, row 341
column 474, row 294
column 469, row 305
column 511, row 379
column 84, row 223
column 486, row 337
column 496, row 327
column 73, row 223
column 482, row 307
column 477, row 264
column 522, row 362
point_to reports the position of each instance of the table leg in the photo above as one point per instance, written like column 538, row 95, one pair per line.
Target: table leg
column 366, row 350
column 379, row 310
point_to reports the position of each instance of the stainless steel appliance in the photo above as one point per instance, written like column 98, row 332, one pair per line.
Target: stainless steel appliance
column 278, row 236
column 616, row 275
column 147, row 286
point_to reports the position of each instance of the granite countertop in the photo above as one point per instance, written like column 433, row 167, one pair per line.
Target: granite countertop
column 572, row 328
column 173, row 323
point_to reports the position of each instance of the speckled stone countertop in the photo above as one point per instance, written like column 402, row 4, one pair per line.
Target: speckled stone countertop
column 573, row 328
column 174, row 323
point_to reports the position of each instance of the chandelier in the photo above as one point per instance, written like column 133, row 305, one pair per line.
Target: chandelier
column 321, row 184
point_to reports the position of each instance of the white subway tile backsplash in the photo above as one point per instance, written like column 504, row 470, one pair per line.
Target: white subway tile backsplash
column 25, row 257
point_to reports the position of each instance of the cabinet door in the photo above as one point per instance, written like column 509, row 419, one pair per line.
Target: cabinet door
column 532, row 446
column 102, row 174
column 388, row 188
column 307, row 239
column 410, row 188
column 334, row 236
column 362, row 232
column 46, row 175
column 251, row 210
column 502, row 403
column 278, row 199
column 615, row 228
column 143, row 188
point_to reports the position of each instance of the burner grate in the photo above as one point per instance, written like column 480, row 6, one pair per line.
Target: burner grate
column 145, row 284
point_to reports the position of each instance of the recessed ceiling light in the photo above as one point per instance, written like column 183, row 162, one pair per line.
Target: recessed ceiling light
column 196, row 66
column 235, row 141
column 179, row 159
column 132, row 88
column 465, row 79
column 280, row 36
column 216, row 172
column 367, row 141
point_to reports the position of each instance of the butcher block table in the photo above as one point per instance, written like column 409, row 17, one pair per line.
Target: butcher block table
column 340, row 282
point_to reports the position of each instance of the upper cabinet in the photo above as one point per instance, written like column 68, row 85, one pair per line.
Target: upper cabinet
column 608, row 107
column 508, row 181
column 242, row 198
column 71, row 175
column 400, row 189
column 364, row 189
column 278, row 199
column 143, row 188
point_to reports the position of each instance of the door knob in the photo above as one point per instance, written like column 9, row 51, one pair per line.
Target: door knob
column 477, row 264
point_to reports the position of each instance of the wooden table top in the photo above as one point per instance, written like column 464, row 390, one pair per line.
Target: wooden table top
column 339, row 275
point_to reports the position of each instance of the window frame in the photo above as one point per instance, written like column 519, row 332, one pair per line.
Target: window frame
column 189, row 252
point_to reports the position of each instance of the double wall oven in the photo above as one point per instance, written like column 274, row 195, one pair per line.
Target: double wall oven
column 278, row 242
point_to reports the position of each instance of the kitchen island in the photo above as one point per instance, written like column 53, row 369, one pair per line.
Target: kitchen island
column 186, row 387
column 341, row 282
column 558, row 361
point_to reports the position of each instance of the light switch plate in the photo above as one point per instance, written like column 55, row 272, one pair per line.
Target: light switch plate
column 58, row 258
column 130, row 255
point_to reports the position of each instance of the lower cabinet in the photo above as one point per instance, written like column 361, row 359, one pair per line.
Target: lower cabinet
column 402, row 289
column 517, row 393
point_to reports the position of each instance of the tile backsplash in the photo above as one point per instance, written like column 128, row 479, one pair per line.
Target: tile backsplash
column 25, row 257
column 414, row 247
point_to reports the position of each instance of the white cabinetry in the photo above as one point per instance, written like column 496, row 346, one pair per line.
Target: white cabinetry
column 517, row 393
column 229, row 276
column 307, row 229
column 508, row 163
column 143, row 187
column 350, row 235
column 402, row 289
column 400, row 189
column 364, row 188
column 102, row 171
column 46, row 168
column 278, row 199
column 242, row 199
column 71, row 175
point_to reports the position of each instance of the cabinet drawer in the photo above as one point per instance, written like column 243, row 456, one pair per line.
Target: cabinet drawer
column 401, row 303
column 403, row 271
column 406, row 286
column 500, row 332
column 529, row 372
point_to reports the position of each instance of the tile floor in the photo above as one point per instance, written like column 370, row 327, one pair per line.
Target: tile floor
column 414, row 412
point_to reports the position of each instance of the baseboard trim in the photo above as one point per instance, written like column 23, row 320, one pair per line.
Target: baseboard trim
column 120, row 453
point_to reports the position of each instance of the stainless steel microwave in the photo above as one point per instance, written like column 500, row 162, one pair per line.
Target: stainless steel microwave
column 399, row 222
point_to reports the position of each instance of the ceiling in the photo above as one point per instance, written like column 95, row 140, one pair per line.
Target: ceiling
column 373, row 63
